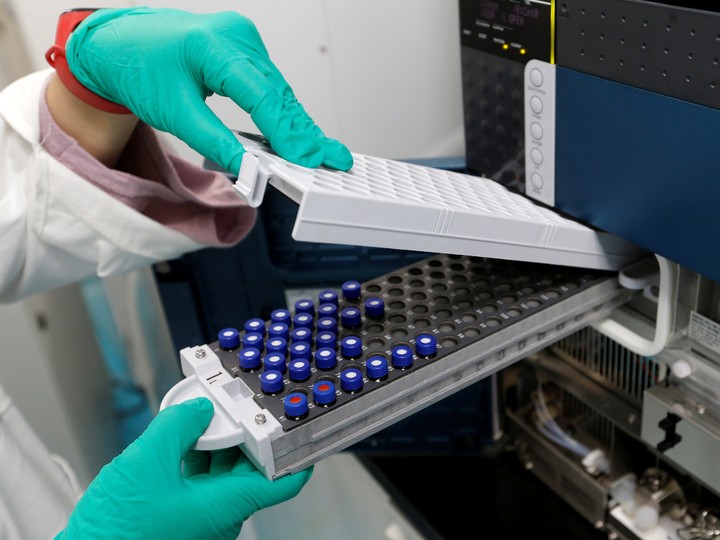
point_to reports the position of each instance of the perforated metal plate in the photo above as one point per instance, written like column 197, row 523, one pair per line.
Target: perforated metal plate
column 392, row 204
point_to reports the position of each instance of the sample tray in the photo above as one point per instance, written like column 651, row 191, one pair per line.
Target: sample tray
column 392, row 204
column 457, row 319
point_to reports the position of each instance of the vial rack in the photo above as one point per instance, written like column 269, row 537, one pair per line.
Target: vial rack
column 457, row 319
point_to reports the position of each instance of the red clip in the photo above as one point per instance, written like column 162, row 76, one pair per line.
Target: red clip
column 55, row 56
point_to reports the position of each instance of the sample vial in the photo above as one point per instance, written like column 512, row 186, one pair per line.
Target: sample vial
column 229, row 339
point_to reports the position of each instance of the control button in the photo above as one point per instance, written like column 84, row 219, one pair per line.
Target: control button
column 255, row 325
column 536, row 77
column 536, row 130
column 296, row 405
column 426, row 345
column 301, row 334
column 351, row 317
column 275, row 361
column 324, row 393
column 253, row 340
column 325, row 358
column 328, row 297
column 351, row 380
column 280, row 330
column 326, row 339
column 536, row 180
column 536, row 104
column 305, row 306
column 303, row 320
column 402, row 356
column 351, row 347
column 229, row 338
column 299, row 370
column 281, row 316
column 271, row 382
column 327, row 324
column 351, row 290
column 300, row 349
column 536, row 156
column 249, row 359
column 377, row 367
column 374, row 307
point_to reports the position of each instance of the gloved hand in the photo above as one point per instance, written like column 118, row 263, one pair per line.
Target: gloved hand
column 163, row 63
column 143, row 494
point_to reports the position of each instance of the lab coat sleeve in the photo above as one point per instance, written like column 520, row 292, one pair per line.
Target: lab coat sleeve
column 56, row 227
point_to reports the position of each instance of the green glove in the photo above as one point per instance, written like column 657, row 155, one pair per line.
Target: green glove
column 144, row 494
column 163, row 63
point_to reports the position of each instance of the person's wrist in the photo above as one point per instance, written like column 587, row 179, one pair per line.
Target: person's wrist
column 56, row 57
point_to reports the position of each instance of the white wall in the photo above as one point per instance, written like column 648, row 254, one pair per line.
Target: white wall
column 383, row 76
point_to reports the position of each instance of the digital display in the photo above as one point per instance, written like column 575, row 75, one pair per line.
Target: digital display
column 515, row 14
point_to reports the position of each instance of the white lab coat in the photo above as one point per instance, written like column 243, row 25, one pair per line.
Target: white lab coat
column 55, row 229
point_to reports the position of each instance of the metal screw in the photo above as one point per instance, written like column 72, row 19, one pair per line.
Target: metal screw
column 632, row 419
column 200, row 353
column 260, row 419
column 700, row 408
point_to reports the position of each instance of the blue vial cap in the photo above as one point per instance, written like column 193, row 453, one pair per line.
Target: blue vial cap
column 351, row 346
column 351, row 290
column 305, row 305
column 350, row 317
column 229, row 338
column 402, row 356
column 249, row 359
column 327, row 310
column 278, row 330
column 425, row 345
column 303, row 320
column 281, row 316
column 255, row 325
column 374, row 307
column 296, row 405
column 253, row 340
column 324, row 392
column 351, row 380
column 325, row 358
column 277, row 344
column 328, row 297
column 302, row 334
column 376, row 367
column 327, row 324
column 274, row 361
column 301, row 349
column 271, row 382
column 326, row 339
column 299, row 370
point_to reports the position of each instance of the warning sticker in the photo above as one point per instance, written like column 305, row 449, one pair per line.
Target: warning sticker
column 705, row 331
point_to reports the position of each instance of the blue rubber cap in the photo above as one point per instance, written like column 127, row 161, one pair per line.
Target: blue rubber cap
column 425, row 345
column 351, row 347
column 402, row 356
column 328, row 297
column 325, row 358
column 229, row 338
column 299, row 370
column 351, row 317
column 351, row 379
column 327, row 324
column 271, row 382
column 302, row 334
column 305, row 305
column 249, row 359
column 304, row 320
column 374, row 307
column 253, row 340
column 351, row 290
column 277, row 344
column 275, row 361
column 278, row 330
column 327, row 310
column 326, row 339
column 324, row 393
column 281, row 316
column 255, row 325
column 376, row 367
column 296, row 405
column 301, row 349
